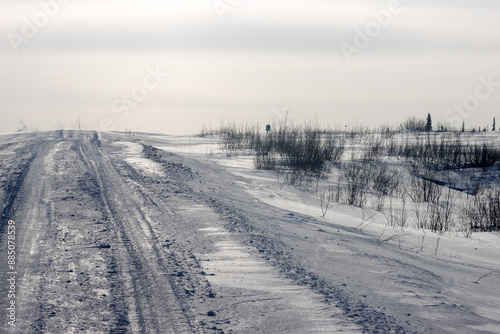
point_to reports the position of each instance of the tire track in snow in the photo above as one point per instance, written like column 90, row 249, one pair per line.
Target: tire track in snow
column 155, row 307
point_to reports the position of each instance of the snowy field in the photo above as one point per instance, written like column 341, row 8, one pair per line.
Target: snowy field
column 453, row 280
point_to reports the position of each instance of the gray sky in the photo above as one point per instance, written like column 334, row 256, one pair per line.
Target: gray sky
column 247, row 60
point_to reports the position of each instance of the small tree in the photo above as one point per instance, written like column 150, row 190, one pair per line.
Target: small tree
column 494, row 125
column 22, row 127
column 413, row 124
column 463, row 126
column 428, row 124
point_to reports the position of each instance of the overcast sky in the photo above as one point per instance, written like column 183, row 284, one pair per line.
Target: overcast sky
column 107, row 61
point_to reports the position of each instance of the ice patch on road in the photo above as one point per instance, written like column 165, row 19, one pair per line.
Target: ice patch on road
column 134, row 157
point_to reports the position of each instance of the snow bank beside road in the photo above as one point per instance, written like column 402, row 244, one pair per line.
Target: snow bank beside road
column 133, row 151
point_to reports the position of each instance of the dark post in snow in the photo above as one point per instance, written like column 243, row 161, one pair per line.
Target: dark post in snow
column 268, row 128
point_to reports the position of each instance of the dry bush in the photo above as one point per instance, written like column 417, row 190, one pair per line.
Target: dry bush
column 483, row 211
column 422, row 187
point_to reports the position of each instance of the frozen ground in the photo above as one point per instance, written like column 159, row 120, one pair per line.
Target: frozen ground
column 162, row 234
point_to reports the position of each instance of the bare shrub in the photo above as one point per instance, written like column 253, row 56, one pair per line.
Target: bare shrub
column 436, row 221
column 413, row 124
column 325, row 198
column 403, row 215
column 445, row 151
column 483, row 213
column 386, row 181
column 423, row 188
column 293, row 177
column 22, row 127
column 391, row 216
column 391, row 146
column 373, row 150
column 357, row 180
column 421, row 216
column 378, row 201
column 264, row 161
column 437, row 215
column 234, row 138
column 482, row 155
